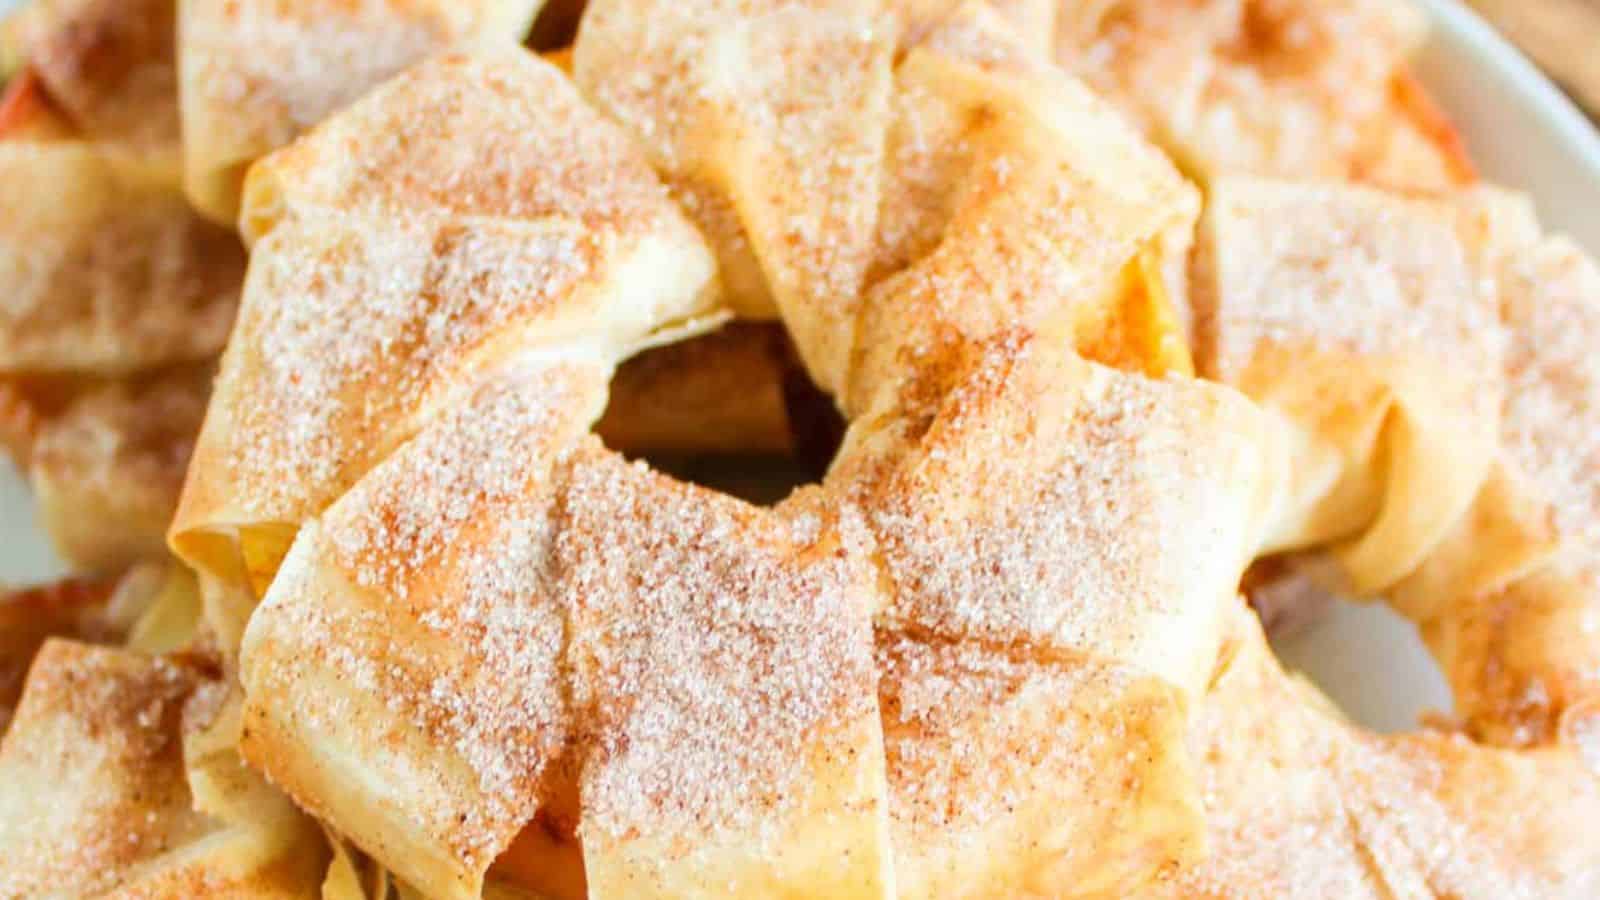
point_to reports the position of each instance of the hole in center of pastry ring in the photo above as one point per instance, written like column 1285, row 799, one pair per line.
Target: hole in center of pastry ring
column 732, row 410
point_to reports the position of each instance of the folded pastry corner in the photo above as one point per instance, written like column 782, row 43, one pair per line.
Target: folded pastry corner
column 255, row 74
column 151, row 607
column 1357, row 318
column 97, row 799
column 1509, row 599
column 1008, row 179
column 514, row 221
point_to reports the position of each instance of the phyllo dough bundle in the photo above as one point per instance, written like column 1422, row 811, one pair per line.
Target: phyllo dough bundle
column 1427, row 360
column 998, row 649
column 522, row 681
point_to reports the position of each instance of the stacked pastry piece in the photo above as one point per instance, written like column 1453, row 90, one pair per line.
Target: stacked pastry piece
column 998, row 651
column 115, row 780
column 117, row 295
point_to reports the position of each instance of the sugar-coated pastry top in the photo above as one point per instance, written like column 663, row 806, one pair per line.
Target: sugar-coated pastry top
column 443, row 642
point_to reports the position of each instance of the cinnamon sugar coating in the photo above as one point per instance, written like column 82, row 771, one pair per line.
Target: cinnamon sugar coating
column 537, row 614
column 97, row 802
column 255, row 74
column 1301, row 804
column 483, row 619
column 412, row 277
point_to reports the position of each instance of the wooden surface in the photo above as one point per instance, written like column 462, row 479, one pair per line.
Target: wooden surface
column 1563, row 36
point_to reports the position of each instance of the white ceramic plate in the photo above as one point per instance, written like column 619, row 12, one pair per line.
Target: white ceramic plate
column 1522, row 131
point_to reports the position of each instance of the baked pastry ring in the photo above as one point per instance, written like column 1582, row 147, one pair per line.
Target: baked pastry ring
column 468, row 491
column 475, row 617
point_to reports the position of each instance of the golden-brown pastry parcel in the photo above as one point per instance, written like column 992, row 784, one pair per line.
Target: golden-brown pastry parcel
column 105, row 276
column 109, row 67
column 1358, row 318
column 29, row 617
column 120, row 761
column 1510, row 597
column 1427, row 362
